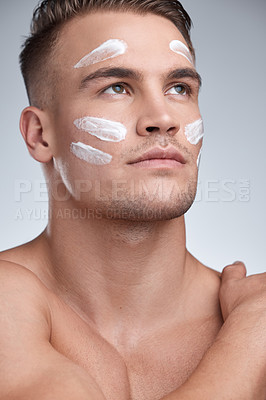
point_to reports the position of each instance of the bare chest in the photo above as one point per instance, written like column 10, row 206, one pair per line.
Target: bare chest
column 148, row 371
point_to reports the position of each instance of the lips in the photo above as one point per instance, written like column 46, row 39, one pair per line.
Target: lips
column 160, row 154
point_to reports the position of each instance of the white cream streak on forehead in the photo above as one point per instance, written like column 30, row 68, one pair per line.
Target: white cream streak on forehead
column 109, row 49
column 110, row 131
column 90, row 154
column 180, row 48
column 195, row 131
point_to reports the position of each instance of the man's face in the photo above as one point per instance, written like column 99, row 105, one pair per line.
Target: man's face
column 150, row 91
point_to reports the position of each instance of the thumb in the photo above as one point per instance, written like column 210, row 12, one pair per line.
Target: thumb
column 234, row 272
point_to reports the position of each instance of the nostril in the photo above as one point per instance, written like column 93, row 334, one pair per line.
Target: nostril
column 172, row 130
column 151, row 128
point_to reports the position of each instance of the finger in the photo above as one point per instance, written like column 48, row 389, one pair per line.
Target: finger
column 234, row 271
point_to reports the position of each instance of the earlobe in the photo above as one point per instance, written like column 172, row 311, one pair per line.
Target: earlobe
column 34, row 127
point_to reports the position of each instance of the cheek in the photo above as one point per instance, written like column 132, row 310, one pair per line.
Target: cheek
column 81, row 177
column 94, row 139
column 64, row 132
column 104, row 129
column 90, row 154
column 199, row 157
column 194, row 131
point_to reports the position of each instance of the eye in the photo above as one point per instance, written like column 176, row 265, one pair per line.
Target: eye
column 115, row 89
column 179, row 89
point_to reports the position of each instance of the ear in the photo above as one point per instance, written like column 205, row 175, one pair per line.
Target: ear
column 34, row 126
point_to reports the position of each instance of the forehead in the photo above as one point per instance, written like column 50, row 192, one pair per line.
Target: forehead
column 147, row 36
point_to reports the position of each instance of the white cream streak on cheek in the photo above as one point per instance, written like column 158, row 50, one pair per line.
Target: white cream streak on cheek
column 194, row 132
column 199, row 158
column 109, row 49
column 180, row 48
column 110, row 131
column 89, row 154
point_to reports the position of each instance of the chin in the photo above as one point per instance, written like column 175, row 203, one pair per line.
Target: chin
column 143, row 211
column 145, row 205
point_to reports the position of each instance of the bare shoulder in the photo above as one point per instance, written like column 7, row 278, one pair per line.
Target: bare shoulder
column 211, row 282
column 10, row 270
column 23, row 297
column 20, row 255
column 23, row 302
column 30, row 368
column 19, row 285
column 205, row 291
column 24, row 321
column 31, row 256
column 206, row 275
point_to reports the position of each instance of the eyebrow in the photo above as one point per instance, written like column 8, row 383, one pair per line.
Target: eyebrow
column 186, row 73
column 115, row 72
column 122, row 73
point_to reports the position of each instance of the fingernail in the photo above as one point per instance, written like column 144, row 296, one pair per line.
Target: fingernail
column 237, row 262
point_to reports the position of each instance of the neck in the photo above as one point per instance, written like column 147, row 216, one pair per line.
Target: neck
column 120, row 273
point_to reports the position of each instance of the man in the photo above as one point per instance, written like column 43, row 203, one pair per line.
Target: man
column 107, row 303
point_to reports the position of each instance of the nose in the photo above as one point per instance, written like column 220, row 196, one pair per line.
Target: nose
column 157, row 117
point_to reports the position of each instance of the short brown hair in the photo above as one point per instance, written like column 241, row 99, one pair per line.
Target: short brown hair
column 48, row 19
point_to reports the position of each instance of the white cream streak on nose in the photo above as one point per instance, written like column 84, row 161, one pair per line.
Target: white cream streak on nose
column 90, row 154
column 180, row 48
column 195, row 131
column 110, row 131
column 109, row 49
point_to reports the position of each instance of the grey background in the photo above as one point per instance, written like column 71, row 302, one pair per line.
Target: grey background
column 227, row 221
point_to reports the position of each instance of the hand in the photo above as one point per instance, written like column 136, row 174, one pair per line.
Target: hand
column 234, row 367
column 243, row 305
column 241, row 293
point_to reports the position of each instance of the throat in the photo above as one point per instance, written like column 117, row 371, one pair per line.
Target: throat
column 122, row 274
column 134, row 233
